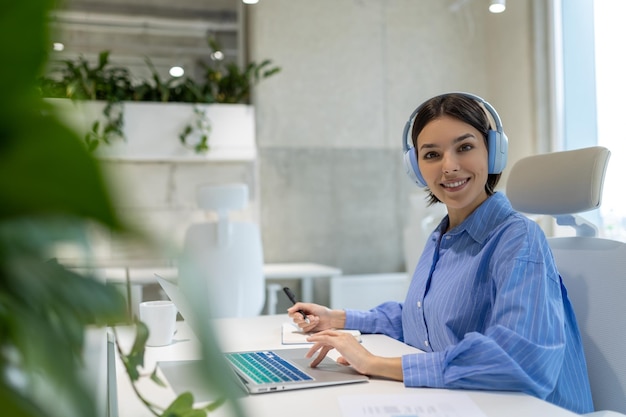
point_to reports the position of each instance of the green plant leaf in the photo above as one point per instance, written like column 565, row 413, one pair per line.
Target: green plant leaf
column 46, row 308
column 180, row 406
column 45, row 170
column 103, row 60
column 23, row 41
column 203, row 145
column 133, row 361
column 155, row 377
column 194, row 413
column 215, row 404
column 15, row 405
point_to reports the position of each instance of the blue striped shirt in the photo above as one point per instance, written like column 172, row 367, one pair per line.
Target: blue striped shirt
column 487, row 306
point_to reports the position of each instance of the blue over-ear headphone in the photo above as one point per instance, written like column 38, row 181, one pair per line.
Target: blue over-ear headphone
column 497, row 143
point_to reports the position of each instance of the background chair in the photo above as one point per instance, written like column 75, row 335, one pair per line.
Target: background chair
column 225, row 257
column 593, row 269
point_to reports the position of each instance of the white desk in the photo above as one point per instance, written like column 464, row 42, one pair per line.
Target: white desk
column 263, row 332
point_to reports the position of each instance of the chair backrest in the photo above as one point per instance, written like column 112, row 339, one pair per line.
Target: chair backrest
column 224, row 257
column 594, row 272
column 593, row 269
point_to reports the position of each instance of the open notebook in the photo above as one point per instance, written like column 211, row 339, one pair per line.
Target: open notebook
column 260, row 371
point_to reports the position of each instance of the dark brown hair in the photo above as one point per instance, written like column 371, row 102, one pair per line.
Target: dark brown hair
column 463, row 108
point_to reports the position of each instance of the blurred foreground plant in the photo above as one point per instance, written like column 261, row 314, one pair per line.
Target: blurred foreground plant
column 52, row 191
column 183, row 405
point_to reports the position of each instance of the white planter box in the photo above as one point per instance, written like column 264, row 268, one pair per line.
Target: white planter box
column 152, row 130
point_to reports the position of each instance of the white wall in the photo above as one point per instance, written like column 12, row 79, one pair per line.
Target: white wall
column 161, row 198
column 329, row 125
column 511, row 76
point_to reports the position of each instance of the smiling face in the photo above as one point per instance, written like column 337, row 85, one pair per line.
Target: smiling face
column 452, row 158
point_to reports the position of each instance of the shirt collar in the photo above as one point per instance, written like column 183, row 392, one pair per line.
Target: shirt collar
column 484, row 219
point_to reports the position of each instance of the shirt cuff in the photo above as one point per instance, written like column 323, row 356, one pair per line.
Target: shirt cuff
column 358, row 320
column 423, row 370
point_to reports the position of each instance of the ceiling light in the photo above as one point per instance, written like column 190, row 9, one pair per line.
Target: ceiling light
column 177, row 71
column 217, row 56
column 250, row 1
column 58, row 46
column 497, row 6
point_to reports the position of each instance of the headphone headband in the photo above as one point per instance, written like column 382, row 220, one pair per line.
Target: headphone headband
column 497, row 142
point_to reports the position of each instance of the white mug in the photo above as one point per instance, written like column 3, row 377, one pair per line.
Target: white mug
column 160, row 317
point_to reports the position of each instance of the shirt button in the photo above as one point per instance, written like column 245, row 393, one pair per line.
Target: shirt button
column 426, row 343
column 419, row 304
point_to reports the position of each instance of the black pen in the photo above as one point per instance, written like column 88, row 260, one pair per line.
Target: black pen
column 292, row 298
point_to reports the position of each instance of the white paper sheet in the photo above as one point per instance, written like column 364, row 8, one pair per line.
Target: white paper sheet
column 420, row 404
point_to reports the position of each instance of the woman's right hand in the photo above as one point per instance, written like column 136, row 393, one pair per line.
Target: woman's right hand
column 319, row 317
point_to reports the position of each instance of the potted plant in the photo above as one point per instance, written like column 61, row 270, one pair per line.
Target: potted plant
column 51, row 191
column 131, row 111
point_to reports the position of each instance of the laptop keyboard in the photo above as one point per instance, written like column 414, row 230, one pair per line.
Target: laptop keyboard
column 266, row 367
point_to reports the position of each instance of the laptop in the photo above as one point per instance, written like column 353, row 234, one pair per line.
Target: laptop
column 260, row 371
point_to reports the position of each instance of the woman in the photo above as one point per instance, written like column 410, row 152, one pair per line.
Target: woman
column 486, row 303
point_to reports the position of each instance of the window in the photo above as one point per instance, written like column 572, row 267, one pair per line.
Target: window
column 593, row 98
column 610, row 33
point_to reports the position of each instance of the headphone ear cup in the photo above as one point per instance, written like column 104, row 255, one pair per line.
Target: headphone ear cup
column 412, row 169
column 498, row 145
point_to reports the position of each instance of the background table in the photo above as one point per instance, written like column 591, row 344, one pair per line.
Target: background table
column 306, row 272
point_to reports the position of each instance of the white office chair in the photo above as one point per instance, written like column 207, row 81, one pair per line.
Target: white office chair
column 224, row 257
column 562, row 184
